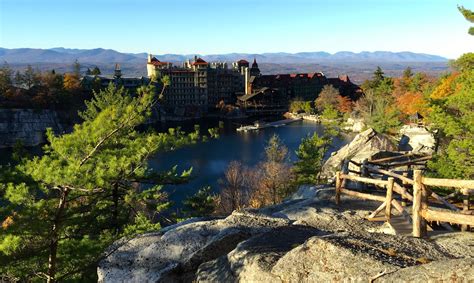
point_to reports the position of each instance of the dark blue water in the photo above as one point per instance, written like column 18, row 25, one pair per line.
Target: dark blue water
column 210, row 159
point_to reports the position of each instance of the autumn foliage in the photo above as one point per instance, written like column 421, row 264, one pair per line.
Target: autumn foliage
column 31, row 88
column 344, row 104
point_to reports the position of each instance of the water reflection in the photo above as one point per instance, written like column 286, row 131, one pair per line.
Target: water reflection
column 209, row 160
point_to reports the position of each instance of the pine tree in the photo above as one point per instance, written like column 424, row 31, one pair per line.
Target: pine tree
column 469, row 15
column 203, row 203
column 310, row 155
column 95, row 71
column 6, row 78
column 379, row 75
column 407, row 73
column 76, row 69
column 59, row 211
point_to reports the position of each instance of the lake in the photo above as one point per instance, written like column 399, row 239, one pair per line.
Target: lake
column 210, row 159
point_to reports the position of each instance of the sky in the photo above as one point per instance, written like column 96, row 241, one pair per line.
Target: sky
column 242, row 26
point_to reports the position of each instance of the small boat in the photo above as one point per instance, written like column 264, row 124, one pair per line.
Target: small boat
column 261, row 125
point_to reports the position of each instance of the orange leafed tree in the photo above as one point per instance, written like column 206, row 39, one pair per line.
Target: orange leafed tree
column 445, row 88
column 344, row 104
column 71, row 82
column 411, row 102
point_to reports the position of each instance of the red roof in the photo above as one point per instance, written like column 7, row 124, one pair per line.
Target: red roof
column 156, row 62
column 242, row 61
column 200, row 61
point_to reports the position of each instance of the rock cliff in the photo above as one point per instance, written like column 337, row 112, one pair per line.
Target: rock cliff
column 417, row 139
column 305, row 239
column 27, row 126
column 363, row 146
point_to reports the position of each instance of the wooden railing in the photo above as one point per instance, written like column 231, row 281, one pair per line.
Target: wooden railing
column 421, row 212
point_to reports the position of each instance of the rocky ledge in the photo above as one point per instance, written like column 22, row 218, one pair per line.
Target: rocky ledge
column 305, row 239
column 27, row 126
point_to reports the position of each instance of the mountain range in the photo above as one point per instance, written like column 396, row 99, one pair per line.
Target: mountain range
column 108, row 56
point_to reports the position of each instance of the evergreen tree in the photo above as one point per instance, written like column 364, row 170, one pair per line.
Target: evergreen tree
column 407, row 73
column 469, row 15
column 310, row 155
column 203, row 203
column 379, row 75
column 96, row 71
column 62, row 209
column 76, row 69
column 6, row 78
column 464, row 63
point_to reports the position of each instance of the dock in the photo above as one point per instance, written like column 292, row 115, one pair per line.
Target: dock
column 258, row 126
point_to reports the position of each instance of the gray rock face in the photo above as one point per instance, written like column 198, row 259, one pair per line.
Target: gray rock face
column 305, row 239
column 347, row 256
column 354, row 125
column 416, row 139
column 363, row 146
column 26, row 125
column 455, row 270
column 171, row 255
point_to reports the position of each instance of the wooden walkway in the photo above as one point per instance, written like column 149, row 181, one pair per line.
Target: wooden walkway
column 414, row 220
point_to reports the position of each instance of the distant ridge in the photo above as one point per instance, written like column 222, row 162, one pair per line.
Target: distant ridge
column 108, row 56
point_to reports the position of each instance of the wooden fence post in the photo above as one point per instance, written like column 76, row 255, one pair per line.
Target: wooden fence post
column 364, row 172
column 417, row 191
column 465, row 206
column 405, row 185
column 424, row 207
column 388, row 207
column 338, row 187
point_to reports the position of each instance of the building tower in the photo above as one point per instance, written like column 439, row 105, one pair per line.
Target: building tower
column 254, row 71
column 117, row 72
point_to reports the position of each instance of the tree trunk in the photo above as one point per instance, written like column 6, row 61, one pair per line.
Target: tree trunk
column 53, row 244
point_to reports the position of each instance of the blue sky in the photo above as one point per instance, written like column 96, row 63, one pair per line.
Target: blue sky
column 250, row 26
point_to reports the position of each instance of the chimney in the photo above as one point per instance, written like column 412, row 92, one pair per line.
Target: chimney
column 247, row 76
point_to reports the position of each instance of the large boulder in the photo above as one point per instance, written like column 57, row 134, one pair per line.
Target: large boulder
column 341, row 256
column 417, row 139
column 355, row 125
column 305, row 239
column 363, row 146
column 253, row 259
column 303, row 254
column 176, row 253
column 455, row 270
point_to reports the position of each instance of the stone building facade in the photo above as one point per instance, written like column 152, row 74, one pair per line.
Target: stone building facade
column 197, row 86
column 272, row 93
